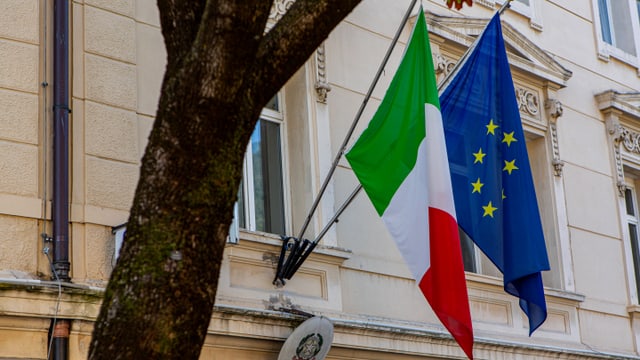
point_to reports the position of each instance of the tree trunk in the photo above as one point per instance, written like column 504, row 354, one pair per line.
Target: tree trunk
column 160, row 297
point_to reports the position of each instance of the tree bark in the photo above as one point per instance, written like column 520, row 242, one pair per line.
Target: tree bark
column 221, row 70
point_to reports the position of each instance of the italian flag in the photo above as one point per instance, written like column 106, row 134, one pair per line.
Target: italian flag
column 401, row 162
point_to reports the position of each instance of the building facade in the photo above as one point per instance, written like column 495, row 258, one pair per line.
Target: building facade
column 576, row 72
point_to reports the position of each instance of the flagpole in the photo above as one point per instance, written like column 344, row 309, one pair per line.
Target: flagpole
column 448, row 78
column 441, row 87
column 334, row 165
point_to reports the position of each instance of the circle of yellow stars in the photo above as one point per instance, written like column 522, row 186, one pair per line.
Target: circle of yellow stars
column 509, row 166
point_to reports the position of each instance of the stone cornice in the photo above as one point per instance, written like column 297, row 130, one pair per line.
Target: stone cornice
column 627, row 103
column 523, row 53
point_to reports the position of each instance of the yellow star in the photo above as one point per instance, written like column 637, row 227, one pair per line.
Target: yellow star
column 477, row 186
column 503, row 195
column 508, row 138
column 479, row 156
column 510, row 166
column 489, row 209
column 491, row 128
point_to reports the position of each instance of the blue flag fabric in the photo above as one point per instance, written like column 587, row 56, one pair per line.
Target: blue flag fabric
column 493, row 189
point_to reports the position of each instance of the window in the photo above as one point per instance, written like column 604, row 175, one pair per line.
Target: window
column 619, row 29
column 632, row 220
column 260, row 197
column 528, row 8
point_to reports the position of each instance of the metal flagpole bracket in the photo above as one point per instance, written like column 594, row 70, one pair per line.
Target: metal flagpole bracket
column 292, row 254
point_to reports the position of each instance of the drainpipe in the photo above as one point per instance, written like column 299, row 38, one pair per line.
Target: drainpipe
column 60, row 344
column 60, row 210
column 60, row 201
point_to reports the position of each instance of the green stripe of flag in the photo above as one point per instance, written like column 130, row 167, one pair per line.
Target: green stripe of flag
column 386, row 151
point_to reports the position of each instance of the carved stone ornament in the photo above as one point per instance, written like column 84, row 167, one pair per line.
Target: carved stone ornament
column 630, row 140
column 279, row 8
column 322, row 84
column 528, row 101
column 616, row 131
column 554, row 107
column 444, row 65
column 554, row 110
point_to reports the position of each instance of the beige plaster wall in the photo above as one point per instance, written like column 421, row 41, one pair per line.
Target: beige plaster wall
column 20, row 135
column 118, row 62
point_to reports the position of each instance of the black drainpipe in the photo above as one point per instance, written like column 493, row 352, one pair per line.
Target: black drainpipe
column 60, row 211
column 60, row 201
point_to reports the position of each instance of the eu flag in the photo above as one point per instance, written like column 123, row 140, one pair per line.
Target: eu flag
column 493, row 189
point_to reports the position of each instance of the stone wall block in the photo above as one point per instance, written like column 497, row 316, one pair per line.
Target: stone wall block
column 18, row 169
column 124, row 7
column 151, row 60
column 19, row 20
column 147, row 12
column 110, row 184
column 110, row 82
column 18, row 243
column 111, row 132
column 99, row 252
column 19, row 116
column 110, row 34
column 19, row 66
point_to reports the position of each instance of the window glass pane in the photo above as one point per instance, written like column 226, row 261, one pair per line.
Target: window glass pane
column 623, row 28
column 635, row 249
column 241, row 207
column 273, row 104
column 628, row 200
column 267, row 178
column 526, row 2
column 258, row 189
column 604, row 21
column 468, row 252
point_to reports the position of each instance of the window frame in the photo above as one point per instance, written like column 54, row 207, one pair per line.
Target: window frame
column 247, row 188
column 533, row 11
column 632, row 245
column 607, row 50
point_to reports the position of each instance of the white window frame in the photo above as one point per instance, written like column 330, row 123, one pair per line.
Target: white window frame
column 275, row 116
column 631, row 184
column 606, row 50
column 533, row 11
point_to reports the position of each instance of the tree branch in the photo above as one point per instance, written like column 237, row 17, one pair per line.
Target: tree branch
column 289, row 44
column 180, row 20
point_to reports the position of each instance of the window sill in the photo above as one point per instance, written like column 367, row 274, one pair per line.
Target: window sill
column 331, row 254
column 556, row 295
column 606, row 52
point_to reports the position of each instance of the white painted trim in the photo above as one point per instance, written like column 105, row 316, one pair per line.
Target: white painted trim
column 625, row 220
column 605, row 50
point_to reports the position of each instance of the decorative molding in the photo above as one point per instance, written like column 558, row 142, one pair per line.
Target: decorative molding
column 279, row 8
column 555, row 110
column 488, row 3
column 620, row 108
column 528, row 101
column 616, row 132
column 322, row 84
column 627, row 103
column 524, row 55
column 444, row 65
column 554, row 107
column 630, row 140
